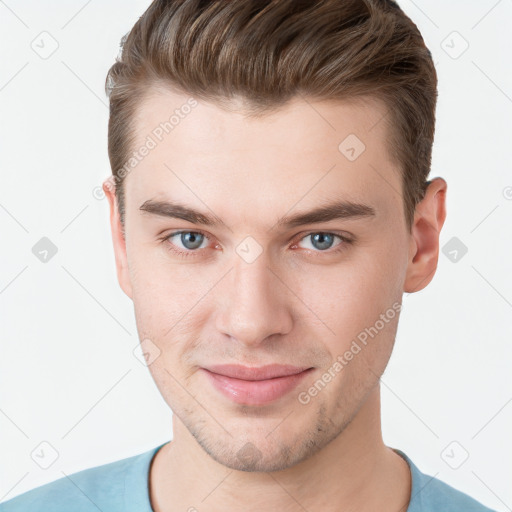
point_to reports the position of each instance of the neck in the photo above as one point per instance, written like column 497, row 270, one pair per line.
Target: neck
column 355, row 471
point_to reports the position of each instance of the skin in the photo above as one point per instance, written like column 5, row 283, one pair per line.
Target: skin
column 295, row 304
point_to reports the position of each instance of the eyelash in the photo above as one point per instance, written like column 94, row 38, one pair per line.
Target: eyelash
column 186, row 254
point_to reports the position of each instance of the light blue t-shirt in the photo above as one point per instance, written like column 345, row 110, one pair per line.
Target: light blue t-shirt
column 122, row 486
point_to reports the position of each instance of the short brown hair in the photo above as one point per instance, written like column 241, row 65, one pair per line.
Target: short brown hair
column 268, row 51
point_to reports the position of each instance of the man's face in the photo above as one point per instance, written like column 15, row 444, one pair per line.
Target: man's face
column 253, row 290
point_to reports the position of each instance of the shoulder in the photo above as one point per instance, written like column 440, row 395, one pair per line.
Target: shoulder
column 430, row 494
column 102, row 487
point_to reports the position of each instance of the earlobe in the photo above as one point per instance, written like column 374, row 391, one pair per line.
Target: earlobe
column 118, row 238
column 429, row 218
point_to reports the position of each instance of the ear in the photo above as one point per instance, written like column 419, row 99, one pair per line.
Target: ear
column 118, row 238
column 428, row 220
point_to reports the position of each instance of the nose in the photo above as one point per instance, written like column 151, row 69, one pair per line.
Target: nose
column 255, row 304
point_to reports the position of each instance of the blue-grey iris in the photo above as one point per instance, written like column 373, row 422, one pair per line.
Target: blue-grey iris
column 324, row 240
column 194, row 239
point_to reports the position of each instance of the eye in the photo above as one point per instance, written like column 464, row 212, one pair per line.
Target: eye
column 185, row 243
column 323, row 241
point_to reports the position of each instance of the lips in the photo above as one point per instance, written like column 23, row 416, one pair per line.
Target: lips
column 270, row 371
column 255, row 385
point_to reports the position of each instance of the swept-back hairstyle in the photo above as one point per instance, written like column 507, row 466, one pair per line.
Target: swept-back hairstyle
column 265, row 52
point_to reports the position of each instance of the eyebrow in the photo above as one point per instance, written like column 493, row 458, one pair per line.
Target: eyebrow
column 333, row 211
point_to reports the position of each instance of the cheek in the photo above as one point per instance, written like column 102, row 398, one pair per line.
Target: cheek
column 172, row 306
column 347, row 300
column 154, row 276
column 351, row 294
column 162, row 292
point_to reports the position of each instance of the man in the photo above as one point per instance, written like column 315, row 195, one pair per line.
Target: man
column 269, row 207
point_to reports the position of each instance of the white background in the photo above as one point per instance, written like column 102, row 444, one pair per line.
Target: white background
column 68, row 375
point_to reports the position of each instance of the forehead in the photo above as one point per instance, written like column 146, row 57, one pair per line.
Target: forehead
column 204, row 124
column 305, row 151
